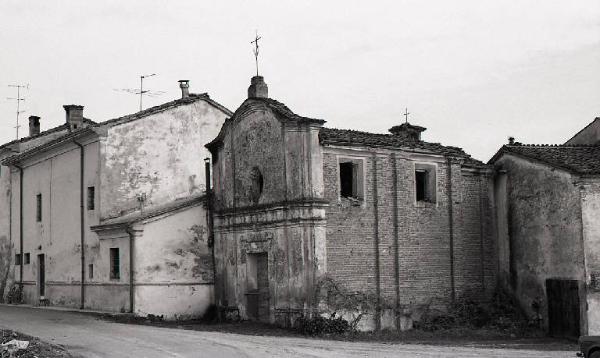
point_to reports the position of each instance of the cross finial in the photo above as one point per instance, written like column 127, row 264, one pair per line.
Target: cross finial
column 406, row 113
column 255, row 42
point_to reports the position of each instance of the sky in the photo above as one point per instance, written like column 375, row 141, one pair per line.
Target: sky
column 472, row 72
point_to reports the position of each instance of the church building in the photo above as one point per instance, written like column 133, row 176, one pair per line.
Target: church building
column 295, row 203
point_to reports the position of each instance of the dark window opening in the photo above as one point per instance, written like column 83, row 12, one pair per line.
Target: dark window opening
column 17, row 259
column 91, row 202
column 347, row 180
column 421, row 185
column 91, row 271
column 115, row 264
column 38, row 206
column 27, row 259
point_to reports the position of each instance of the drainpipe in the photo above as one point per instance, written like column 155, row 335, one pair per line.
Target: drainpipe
column 209, row 219
column 81, row 217
column 21, row 173
column 129, row 231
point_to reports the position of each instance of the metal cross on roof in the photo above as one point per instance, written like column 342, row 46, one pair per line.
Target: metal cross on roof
column 255, row 42
column 406, row 113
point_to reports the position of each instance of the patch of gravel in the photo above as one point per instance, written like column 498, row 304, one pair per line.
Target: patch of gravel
column 36, row 349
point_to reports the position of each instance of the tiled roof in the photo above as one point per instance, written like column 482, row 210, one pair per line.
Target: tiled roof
column 346, row 137
column 41, row 134
column 580, row 159
column 111, row 122
column 254, row 103
column 162, row 107
column 137, row 216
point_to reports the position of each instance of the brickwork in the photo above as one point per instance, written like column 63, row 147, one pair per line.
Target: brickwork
column 422, row 229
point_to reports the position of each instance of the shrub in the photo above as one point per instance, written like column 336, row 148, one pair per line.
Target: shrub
column 319, row 325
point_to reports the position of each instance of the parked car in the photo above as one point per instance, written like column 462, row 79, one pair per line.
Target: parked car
column 589, row 347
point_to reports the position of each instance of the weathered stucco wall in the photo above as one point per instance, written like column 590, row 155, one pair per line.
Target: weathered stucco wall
column 390, row 242
column 6, row 252
column 268, row 187
column 590, row 209
column 57, row 178
column 544, row 230
column 173, row 265
column 160, row 155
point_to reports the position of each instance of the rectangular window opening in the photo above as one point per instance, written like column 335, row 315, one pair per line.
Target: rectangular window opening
column 347, row 180
column 27, row 258
column 17, row 259
column 90, row 271
column 421, row 184
column 91, row 196
column 115, row 264
column 425, row 182
column 38, row 208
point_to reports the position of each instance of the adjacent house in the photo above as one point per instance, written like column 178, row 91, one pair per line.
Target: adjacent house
column 548, row 204
column 111, row 215
column 407, row 221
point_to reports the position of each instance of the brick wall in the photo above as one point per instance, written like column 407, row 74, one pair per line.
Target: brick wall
column 356, row 231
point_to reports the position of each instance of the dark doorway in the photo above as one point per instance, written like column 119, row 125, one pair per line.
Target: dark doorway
column 257, row 266
column 42, row 274
column 563, row 308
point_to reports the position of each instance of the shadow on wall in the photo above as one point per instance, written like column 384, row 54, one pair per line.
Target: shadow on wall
column 5, row 266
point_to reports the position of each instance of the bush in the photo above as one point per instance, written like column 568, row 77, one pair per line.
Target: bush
column 502, row 313
column 319, row 325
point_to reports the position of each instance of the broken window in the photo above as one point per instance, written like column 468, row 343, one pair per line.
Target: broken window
column 38, row 207
column 425, row 183
column 27, row 258
column 91, row 196
column 115, row 264
column 351, row 178
column 17, row 259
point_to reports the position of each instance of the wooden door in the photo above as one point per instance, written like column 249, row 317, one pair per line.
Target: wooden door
column 42, row 275
column 563, row 308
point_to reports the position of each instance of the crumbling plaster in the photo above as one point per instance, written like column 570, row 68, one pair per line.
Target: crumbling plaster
column 160, row 156
column 285, row 220
column 543, row 234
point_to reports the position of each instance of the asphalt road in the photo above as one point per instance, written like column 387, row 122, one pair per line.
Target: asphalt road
column 88, row 336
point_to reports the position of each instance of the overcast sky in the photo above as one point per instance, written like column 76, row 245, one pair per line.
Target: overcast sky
column 472, row 72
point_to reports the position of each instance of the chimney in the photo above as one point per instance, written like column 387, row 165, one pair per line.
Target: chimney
column 185, row 88
column 408, row 131
column 511, row 140
column 258, row 88
column 34, row 125
column 74, row 116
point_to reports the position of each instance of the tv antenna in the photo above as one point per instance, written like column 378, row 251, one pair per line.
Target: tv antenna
column 18, row 99
column 141, row 92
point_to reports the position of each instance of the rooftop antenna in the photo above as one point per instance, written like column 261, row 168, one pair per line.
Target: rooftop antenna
column 255, row 42
column 141, row 92
column 406, row 113
column 18, row 99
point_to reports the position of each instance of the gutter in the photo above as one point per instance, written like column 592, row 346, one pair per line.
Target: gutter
column 81, row 217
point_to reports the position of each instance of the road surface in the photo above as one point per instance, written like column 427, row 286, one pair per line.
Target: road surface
column 89, row 336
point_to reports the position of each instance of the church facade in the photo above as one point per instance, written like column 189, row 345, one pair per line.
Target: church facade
column 405, row 222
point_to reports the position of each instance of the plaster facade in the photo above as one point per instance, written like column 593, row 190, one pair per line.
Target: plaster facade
column 134, row 169
column 540, row 231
